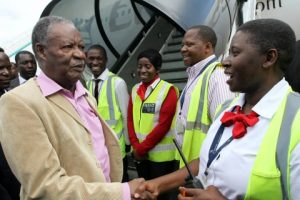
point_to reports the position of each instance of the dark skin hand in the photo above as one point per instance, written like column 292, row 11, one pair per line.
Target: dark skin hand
column 210, row 193
column 136, row 156
column 167, row 182
column 141, row 193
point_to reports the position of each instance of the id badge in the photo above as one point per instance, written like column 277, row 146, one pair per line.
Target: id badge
column 148, row 108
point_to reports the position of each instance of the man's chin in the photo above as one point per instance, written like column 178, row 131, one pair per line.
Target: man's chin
column 187, row 63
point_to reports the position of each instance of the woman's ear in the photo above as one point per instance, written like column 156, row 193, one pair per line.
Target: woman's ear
column 271, row 58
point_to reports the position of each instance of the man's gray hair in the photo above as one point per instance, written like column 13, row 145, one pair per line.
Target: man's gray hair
column 40, row 30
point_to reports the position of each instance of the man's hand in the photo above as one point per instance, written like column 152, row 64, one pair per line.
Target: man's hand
column 211, row 193
column 134, row 184
column 137, row 190
column 146, row 190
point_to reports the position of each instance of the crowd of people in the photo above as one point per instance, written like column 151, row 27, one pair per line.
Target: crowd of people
column 63, row 137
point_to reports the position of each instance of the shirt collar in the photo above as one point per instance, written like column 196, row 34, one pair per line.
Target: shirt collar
column 103, row 76
column 268, row 104
column 21, row 79
column 195, row 69
column 49, row 87
column 153, row 84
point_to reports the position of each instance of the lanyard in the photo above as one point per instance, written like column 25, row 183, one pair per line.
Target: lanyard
column 213, row 151
column 187, row 87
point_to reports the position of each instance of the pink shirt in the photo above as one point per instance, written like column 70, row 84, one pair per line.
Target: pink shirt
column 89, row 118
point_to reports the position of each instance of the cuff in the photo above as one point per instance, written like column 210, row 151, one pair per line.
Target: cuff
column 126, row 191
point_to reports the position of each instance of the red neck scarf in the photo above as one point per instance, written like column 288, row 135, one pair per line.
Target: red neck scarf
column 240, row 121
column 141, row 91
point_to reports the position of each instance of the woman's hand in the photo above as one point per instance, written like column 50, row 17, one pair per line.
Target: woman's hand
column 210, row 193
column 137, row 157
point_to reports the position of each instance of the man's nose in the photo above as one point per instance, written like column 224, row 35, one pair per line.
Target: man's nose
column 5, row 72
column 30, row 65
column 225, row 62
column 79, row 53
column 183, row 49
column 95, row 62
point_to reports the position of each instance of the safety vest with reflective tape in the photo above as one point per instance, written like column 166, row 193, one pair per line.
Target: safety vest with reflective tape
column 146, row 116
column 108, row 107
column 198, row 120
column 270, row 174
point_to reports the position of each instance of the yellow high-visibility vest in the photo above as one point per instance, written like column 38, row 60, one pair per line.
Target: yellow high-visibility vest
column 198, row 120
column 146, row 116
column 270, row 174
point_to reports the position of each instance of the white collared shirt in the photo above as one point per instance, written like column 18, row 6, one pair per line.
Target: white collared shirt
column 230, row 171
column 21, row 79
column 151, row 87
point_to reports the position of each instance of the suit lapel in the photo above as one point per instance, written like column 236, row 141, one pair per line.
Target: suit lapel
column 66, row 106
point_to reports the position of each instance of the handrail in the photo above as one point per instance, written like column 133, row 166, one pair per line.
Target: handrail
column 123, row 57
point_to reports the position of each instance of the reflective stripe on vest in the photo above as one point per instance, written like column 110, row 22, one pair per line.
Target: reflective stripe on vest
column 282, row 150
column 143, row 136
column 146, row 120
column 221, row 108
column 198, row 121
column 110, row 100
column 198, row 124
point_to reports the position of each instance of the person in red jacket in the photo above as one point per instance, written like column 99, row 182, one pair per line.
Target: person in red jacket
column 149, row 64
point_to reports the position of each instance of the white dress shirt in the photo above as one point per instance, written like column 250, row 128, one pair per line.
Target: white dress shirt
column 21, row 79
column 231, row 169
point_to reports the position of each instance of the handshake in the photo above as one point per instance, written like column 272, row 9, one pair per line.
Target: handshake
column 141, row 189
column 150, row 189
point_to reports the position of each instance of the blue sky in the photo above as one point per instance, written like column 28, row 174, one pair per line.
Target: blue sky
column 17, row 18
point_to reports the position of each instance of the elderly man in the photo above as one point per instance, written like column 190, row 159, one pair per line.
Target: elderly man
column 65, row 150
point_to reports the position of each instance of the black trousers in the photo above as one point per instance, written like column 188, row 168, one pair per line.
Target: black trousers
column 149, row 170
column 8, row 181
column 125, row 168
column 4, row 194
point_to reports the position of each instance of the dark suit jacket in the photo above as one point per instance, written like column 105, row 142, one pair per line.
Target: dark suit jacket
column 14, row 83
column 9, row 185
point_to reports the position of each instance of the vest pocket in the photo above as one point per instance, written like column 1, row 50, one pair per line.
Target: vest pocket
column 264, row 185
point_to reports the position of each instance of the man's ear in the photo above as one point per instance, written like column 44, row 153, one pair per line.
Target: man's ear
column 208, row 47
column 40, row 50
column 271, row 58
